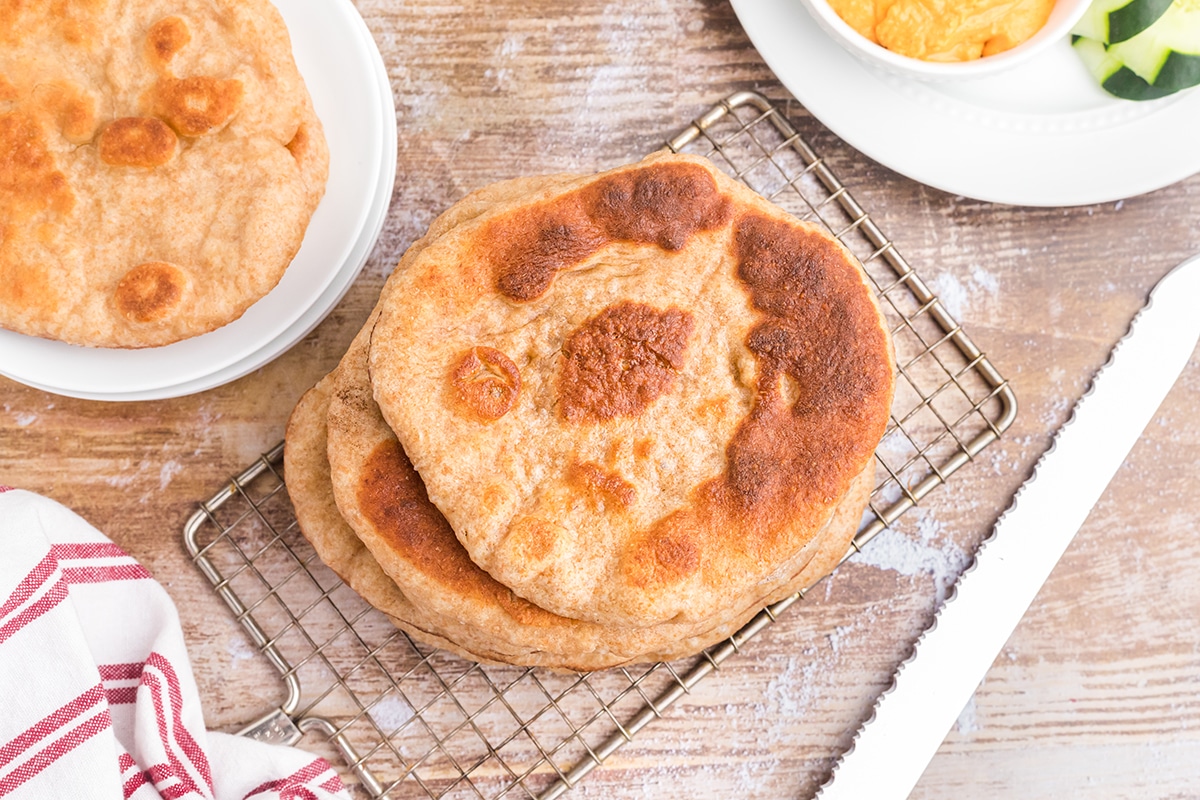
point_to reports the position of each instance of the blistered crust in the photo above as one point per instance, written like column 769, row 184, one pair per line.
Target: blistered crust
column 664, row 206
column 164, row 39
column 487, row 382
column 30, row 181
column 197, row 105
column 600, row 486
column 824, row 368
column 621, row 360
column 150, row 292
column 59, row 22
column 137, row 142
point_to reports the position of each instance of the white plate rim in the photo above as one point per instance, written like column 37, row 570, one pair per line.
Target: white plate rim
column 919, row 131
column 277, row 321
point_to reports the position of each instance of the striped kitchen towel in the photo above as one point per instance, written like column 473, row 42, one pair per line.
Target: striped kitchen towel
column 97, row 698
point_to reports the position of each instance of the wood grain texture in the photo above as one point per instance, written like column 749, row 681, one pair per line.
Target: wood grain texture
column 1097, row 694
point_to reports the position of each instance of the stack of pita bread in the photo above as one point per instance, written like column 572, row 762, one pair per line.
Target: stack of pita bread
column 159, row 165
column 597, row 420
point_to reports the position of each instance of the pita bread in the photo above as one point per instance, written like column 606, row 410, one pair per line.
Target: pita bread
column 637, row 398
column 159, row 164
column 438, row 594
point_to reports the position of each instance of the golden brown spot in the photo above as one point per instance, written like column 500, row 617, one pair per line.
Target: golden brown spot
column 621, row 360
column 668, row 552
column 71, row 108
column 676, row 555
column 150, row 292
column 493, row 495
column 660, row 204
column 77, row 119
column 714, row 411
column 30, row 182
column 821, row 366
column 393, row 498
column 137, row 142
column 599, row 483
column 198, row 105
column 166, row 38
column 642, row 449
column 487, row 382
column 529, row 539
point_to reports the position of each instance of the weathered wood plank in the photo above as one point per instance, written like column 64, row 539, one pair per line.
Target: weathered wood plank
column 1098, row 691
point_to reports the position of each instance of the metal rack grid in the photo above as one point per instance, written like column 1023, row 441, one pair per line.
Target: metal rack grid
column 414, row 721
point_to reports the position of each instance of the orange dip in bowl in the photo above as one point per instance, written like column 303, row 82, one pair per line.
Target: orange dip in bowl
column 945, row 30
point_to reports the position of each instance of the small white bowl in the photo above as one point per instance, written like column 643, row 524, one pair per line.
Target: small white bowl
column 1064, row 16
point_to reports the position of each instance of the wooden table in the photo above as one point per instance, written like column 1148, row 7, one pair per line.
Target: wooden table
column 1096, row 695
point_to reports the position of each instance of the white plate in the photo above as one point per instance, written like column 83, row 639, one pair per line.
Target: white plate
column 345, row 76
column 1042, row 134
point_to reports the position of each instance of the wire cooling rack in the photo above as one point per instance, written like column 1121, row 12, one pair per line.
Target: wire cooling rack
column 414, row 721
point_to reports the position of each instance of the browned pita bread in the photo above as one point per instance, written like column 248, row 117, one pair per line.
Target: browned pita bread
column 422, row 577
column 638, row 398
column 159, row 164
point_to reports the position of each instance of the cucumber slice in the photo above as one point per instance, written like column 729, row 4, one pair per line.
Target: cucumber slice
column 1110, row 21
column 1114, row 77
column 1167, row 54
